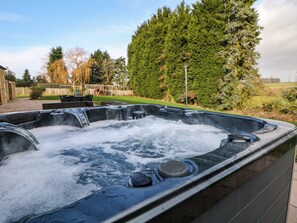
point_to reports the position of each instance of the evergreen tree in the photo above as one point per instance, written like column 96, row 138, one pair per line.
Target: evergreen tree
column 216, row 40
column 26, row 80
column 103, row 67
column 147, row 63
column 97, row 70
column 177, row 51
column 205, row 34
column 241, row 36
column 137, row 59
column 120, row 72
column 55, row 54
column 107, row 68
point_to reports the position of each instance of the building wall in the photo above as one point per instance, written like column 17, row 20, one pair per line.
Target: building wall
column 7, row 89
column 13, row 88
column 3, row 95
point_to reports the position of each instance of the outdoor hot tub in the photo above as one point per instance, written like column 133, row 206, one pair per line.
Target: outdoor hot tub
column 143, row 163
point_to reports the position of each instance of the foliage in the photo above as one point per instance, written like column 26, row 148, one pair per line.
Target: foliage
column 83, row 72
column 26, row 80
column 41, row 79
column 106, row 70
column 120, row 72
column 176, row 50
column 216, row 39
column 56, row 68
column 10, row 75
column 241, row 36
column 75, row 59
column 55, row 54
column 36, row 92
column 290, row 94
column 97, row 69
column 206, row 34
column 146, row 56
column 57, row 72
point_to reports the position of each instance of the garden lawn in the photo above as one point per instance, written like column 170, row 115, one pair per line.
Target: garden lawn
column 129, row 100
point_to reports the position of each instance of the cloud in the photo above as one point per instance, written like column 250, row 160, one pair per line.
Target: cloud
column 278, row 47
column 10, row 17
column 31, row 58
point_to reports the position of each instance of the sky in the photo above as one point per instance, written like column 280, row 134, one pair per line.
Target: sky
column 29, row 29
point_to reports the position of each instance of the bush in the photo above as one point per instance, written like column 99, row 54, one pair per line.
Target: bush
column 36, row 92
column 290, row 94
column 280, row 105
column 257, row 102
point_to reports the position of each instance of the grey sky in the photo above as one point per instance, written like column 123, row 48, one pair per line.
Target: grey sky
column 278, row 47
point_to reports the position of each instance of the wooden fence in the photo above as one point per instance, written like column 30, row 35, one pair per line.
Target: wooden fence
column 25, row 91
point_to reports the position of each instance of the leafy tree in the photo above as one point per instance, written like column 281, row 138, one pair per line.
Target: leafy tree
column 79, row 65
column 83, row 72
column 56, row 68
column 58, row 72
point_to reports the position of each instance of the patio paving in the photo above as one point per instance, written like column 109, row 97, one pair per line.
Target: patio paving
column 24, row 104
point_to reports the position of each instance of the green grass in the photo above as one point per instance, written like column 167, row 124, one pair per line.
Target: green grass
column 129, row 100
column 50, row 97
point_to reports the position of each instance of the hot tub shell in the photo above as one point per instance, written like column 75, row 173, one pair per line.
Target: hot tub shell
column 247, row 179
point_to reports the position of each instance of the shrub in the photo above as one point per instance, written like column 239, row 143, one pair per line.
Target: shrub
column 257, row 102
column 290, row 94
column 36, row 92
column 280, row 105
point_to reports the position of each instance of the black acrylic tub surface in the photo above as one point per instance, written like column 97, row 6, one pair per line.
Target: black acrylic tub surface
column 246, row 179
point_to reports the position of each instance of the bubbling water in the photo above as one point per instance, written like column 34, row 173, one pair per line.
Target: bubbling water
column 72, row 163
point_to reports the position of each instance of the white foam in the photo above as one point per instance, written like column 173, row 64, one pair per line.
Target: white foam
column 43, row 180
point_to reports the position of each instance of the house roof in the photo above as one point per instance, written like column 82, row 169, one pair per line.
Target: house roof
column 2, row 68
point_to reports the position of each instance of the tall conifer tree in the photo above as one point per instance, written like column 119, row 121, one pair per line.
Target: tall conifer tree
column 137, row 60
column 205, row 36
column 177, row 51
column 241, row 36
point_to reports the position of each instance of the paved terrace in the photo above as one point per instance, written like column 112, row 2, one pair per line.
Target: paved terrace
column 24, row 104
